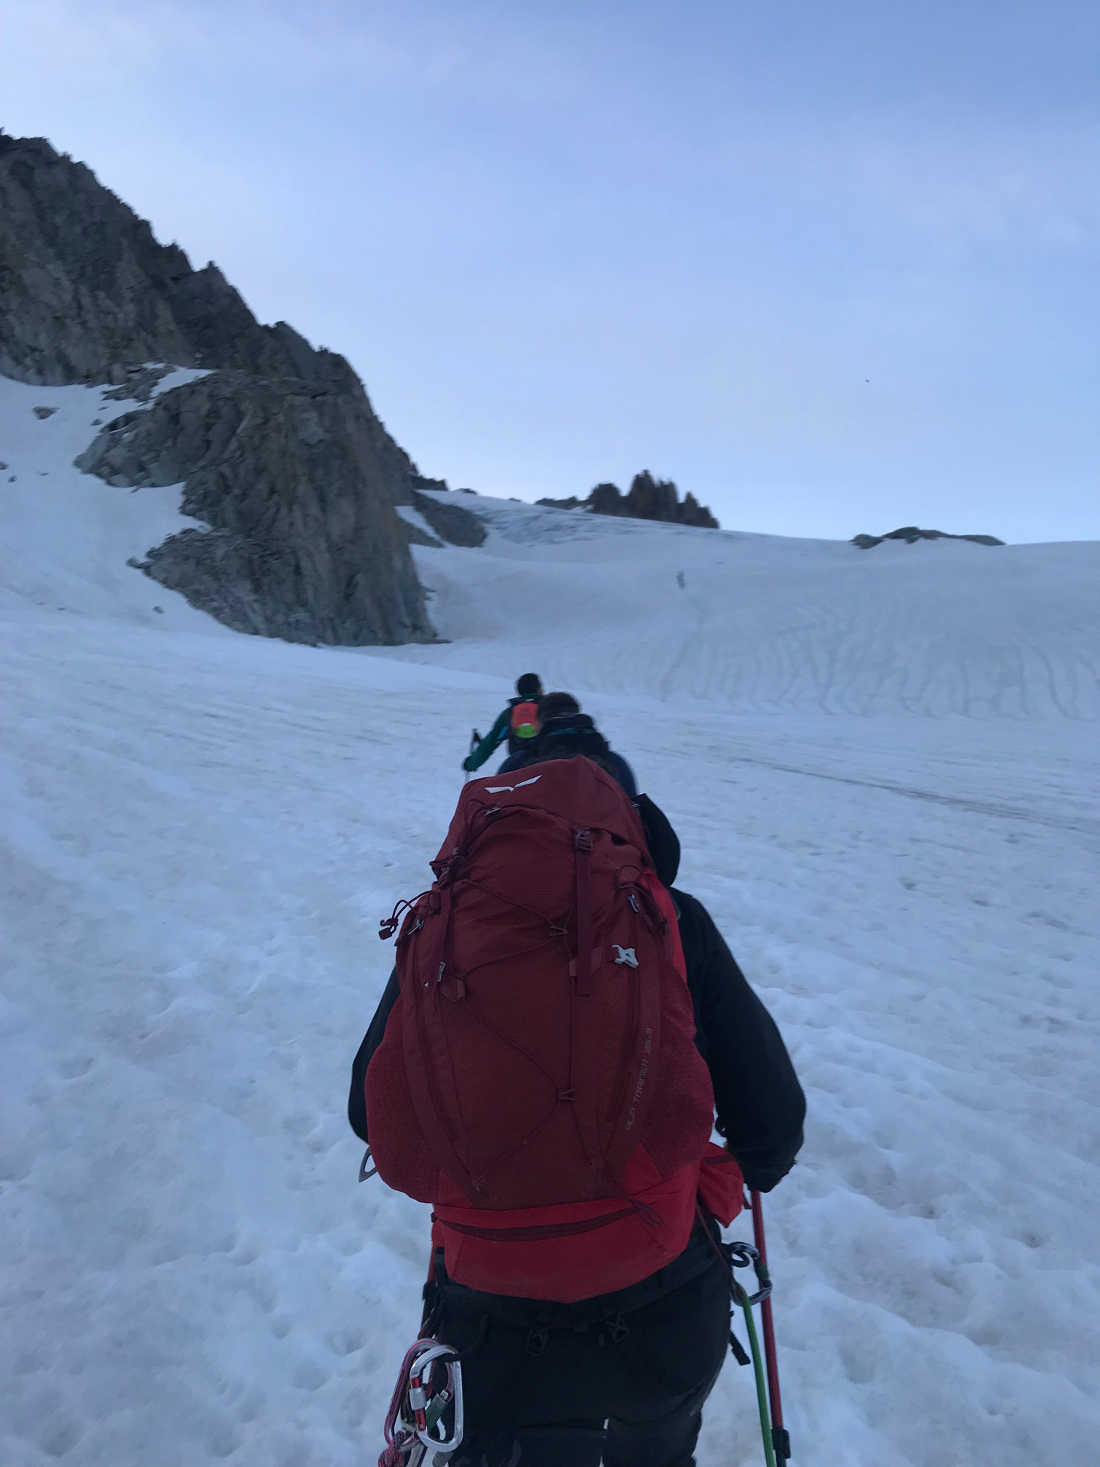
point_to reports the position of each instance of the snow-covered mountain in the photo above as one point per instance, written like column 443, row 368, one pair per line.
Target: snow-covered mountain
column 289, row 473
column 884, row 771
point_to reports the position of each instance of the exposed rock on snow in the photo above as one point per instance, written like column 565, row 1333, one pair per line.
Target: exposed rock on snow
column 647, row 499
column 452, row 523
column 910, row 534
column 294, row 481
column 139, row 385
column 281, row 451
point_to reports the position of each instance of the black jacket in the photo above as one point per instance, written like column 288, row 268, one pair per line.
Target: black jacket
column 759, row 1103
column 571, row 733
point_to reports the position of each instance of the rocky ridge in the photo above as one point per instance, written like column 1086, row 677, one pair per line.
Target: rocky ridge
column 278, row 448
column 647, row 498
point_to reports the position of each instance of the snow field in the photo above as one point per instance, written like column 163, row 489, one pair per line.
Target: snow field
column 65, row 536
column 201, row 830
column 774, row 625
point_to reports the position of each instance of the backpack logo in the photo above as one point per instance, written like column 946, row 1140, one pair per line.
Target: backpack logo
column 499, row 789
column 643, row 1076
column 625, row 955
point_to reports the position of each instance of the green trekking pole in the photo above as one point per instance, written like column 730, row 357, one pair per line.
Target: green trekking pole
column 777, row 1444
column 766, row 1430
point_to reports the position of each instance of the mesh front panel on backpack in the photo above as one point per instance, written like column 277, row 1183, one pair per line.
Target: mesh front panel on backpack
column 538, row 1080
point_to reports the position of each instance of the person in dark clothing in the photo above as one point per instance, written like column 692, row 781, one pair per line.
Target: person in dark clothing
column 620, row 1379
column 563, row 731
column 506, row 726
column 623, row 1377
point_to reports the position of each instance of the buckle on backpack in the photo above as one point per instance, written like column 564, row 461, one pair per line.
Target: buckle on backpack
column 453, row 987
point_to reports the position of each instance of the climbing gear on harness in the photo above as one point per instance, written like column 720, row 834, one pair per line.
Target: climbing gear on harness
column 425, row 1412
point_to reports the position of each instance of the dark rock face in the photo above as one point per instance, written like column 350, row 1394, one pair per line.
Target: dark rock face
column 910, row 534
column 84, row 286
column 452, row 523
column 606, row 499
column 280, row 450
column 647, row 499
column 291, row 479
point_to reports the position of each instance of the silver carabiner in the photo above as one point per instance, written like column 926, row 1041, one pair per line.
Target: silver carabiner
column 421, row 1367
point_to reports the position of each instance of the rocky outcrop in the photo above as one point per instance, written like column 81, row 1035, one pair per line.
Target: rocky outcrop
column 84, row 286
column 280, row 451
column 293, row 480
column 910, row 534
column 452, row 523
column 647, row 499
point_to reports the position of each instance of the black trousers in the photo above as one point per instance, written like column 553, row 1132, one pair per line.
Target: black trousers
column 620, row 1379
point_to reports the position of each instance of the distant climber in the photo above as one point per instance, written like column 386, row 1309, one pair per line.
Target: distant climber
column 516, row 723
column 563, row 731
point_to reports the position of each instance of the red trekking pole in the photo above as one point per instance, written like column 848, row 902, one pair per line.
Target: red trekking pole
column 781, row 1441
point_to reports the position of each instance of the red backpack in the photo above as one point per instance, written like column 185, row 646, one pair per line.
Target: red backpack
column 524, row 720
column 538, row 1081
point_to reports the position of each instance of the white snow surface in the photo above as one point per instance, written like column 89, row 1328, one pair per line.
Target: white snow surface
column 200, row 831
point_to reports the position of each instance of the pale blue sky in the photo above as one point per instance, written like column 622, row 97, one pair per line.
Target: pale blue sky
column 561, row 242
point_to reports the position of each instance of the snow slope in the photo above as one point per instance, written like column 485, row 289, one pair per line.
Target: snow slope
column 65, row 537
column 777, row 625
column 200, row 830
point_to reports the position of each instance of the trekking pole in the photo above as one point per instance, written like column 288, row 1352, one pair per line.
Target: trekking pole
column 741, row 1255
column 475, row 739
column 781, row 1441
column 746, row 1303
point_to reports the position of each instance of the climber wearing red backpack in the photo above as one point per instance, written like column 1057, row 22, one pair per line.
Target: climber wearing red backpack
column 545, row 1069
column 518, row 723
column 562, row 730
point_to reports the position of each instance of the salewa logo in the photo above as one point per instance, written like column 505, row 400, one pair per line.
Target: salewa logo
column 625, row 955
column 643, row 1076
column 499, row 789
